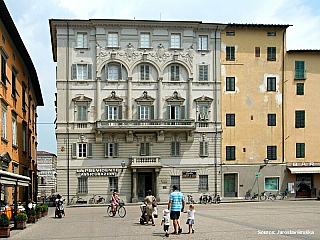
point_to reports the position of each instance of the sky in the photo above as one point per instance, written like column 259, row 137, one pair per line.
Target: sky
column 31, row 18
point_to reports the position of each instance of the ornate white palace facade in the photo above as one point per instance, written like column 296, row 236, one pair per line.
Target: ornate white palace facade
column 138, row 107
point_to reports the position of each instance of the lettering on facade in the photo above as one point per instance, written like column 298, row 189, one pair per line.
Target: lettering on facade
column 97, row 172
column 303, row 164
column 189, row 174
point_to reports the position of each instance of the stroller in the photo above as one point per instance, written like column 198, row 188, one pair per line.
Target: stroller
column 144, row 214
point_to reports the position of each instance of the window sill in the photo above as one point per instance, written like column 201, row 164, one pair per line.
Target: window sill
column 111, row 47
column 82, row 48
column 172, row 48
column 4, row 140
column 300, row 78
column 14, row 146
column 147, row 48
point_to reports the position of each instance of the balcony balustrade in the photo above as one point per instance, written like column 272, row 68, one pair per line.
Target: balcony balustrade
column 145, row 161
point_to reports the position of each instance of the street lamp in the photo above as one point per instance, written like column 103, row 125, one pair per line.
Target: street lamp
column 123, row 164
column 266, row 161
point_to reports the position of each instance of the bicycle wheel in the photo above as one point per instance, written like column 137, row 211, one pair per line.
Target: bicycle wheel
column 263, row 197
column 122, row 212
column 110, row 212
column 273, row 197
column 102, row 200
column 91, row 200
column 247, row 197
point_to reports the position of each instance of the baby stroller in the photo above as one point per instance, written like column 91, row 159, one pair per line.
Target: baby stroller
column 144, row 214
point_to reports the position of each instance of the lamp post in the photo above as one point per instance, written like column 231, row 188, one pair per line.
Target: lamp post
column 266, row 160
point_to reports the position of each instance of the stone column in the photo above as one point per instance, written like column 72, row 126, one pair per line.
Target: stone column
column 190, row 100
column 98, row 100
column 160, row 114
column 129, row 100
column 134, row 185
column 156, row 182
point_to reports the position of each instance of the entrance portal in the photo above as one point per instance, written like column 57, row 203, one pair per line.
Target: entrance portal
column 230, row 185
column 144, row 184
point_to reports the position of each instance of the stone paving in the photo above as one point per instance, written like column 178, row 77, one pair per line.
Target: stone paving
column 242, row 220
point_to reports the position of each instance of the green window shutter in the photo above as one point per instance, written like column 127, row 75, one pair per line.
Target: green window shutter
column 201, row 148
column 299, row 69
column 152, row 112
column 90, row 150
column 173, row 147
column 206, row 149
column 300, row 88
column 147, row 72
column 139, row 111
column 168, row 111
column 120, row 72
column 74, row 71
column 116, row 149
column 107, row 111
column 182, row 112
column 120, row 112
column 89, row 71
column 106, row 149
column 147, row 149
column 74, row 150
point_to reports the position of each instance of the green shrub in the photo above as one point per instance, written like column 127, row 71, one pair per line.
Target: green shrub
column 32, row 212
column 4, row 220
column 38, row 208
column 21, row 216
column 44, row 208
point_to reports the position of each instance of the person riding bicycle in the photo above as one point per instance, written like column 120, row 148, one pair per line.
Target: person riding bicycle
column 114, row 201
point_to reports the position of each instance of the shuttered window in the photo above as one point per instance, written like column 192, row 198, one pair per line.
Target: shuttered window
column 81, row 71
column 176, row 112
column 300, row 150
column 175, row 149
column 300, row 70
column 271, row 84
column 230, row 81
column 230, row 53
column 300, row 119
column 230, row 153
column 82, row 40
column 3, row 70
column 203, row 73
column 4, row 122
column 272, row 152
column 204, row 146
column 230, row 120
column 271, row 54
column 300, row 88
column 112, row 149
column 82, row 112
column 145, row 149
column 272, row 121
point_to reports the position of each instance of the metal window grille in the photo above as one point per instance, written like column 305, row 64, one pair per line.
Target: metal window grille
column 83, row 185
column 203, row 183
column 175, row 180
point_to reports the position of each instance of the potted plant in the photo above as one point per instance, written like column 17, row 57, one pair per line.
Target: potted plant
column 4, row 225
column 21, row 219
column 44, row 210
column 39, row 211
column 32, row 216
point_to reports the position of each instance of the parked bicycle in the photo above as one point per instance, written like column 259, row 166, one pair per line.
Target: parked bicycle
column 96, row 199
column 204, row 198
column 267, row 196
column 282, row 195
column 190, row 199
column 119, row 208
column 250, row 196
column 216, row 198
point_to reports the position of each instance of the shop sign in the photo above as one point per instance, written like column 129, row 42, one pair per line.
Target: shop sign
column 303, row 164
column 189, row 174
column 97, row 172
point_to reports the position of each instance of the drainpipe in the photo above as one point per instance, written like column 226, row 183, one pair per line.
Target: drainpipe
column 67, row 115
column 283, row 92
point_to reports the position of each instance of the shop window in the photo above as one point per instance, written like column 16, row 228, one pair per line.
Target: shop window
column 271, row 184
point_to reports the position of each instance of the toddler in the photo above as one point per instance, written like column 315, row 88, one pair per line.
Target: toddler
column 166, row 222
column 190, row 220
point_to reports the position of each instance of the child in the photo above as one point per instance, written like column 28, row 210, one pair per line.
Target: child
column 190, row 220
column 166, row 222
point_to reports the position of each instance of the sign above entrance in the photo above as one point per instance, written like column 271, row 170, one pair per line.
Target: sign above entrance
column 97, row 172
column 189, row 174
column 258, row 174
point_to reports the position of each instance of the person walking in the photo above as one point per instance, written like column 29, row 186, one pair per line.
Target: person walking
column 190, row 220
column 166, row 222
column 176, row 205
column 149, row 199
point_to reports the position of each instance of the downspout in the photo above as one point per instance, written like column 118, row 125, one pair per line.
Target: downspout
column 67, row 115
column 283, row 92
column 215, row 112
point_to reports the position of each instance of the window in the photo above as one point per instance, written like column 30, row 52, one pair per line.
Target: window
column 175, row 40
column 300, row 150
column 175, row 149
column 145, row 40
column 176, row 112
column 271, row 183
column 204, row 147
column 81, row 71
column 144, row 149
column 144, row 112
column 230, row 33
column 203, row 113
column 24, row 137
column 14, row 83
column 112, row 39
column 113, row 71
column 300, row 88
column 113, row 184
column 300, row 119
column 230, row 153
column 231, row 82
column 271, row 119
column 203, row 43
column 271, row 54
column 84, row 150
column 24, row 92
column 175, row 73
column 230, row 53
column 114, row 112
column 14, row 129
column 271, row 84
column 111, row 149
column 4, row 122
column 271, row 34
column 144, row 72
column 299, row 70
column 175, row 180
column 82, row 185
column 3, row 70
column 82, row 41
column 203, row 183
column 230, row 119
column 3, row 39
column 82, row 112
column 257, row 51
column 272, row 152
column 203, row 73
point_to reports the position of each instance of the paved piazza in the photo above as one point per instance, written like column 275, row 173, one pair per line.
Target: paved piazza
column 244, row 220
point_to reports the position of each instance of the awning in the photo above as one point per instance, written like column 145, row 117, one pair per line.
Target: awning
column 9, row 178
column 300, row 170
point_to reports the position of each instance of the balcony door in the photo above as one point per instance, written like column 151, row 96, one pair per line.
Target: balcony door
column 144, row 184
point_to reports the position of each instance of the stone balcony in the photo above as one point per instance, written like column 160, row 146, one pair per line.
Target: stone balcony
column 145, row 162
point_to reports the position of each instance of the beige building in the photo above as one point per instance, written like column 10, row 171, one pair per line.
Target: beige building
column 302, row 129
column 252, row 74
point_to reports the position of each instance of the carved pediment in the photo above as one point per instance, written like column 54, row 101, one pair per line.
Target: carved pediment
column 81, row 98
column 145, row 98
column 176, row 98
column 5, row 157
column 204, row 99
column 113, row 98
